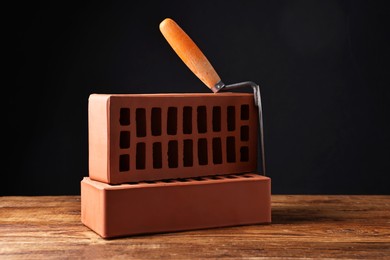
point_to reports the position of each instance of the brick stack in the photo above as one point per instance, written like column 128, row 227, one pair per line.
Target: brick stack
column 172, row 162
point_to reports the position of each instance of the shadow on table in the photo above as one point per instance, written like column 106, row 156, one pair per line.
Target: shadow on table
column 315, row 211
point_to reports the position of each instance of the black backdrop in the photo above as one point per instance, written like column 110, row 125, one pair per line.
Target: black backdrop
column 322, row 66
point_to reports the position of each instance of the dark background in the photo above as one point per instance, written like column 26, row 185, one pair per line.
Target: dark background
column 323, row 67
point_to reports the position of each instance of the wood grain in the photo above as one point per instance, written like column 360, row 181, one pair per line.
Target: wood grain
column 317, row 227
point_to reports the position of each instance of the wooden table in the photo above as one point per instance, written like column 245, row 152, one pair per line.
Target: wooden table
column 303, row 227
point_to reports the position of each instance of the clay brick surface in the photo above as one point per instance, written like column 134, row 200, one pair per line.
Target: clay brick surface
column 137, row 137
column 183, row 204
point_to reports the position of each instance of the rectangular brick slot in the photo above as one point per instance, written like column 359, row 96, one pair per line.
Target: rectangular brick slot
column 172, row 121
column 202, row 151
column 244, row 133
column 216, row 119
column 244, row 154
column 157, row 155
column 231, row 118
column 124, row 139
column 231, row 149
column 156, row 121
column 172, row 154
column 187, row 120
column 217, row 151
column 187, row 153
column 124, row 162
column 140, row 156
column 140, row 118
column 124, row 117
column 202, row 119
column 244, row 112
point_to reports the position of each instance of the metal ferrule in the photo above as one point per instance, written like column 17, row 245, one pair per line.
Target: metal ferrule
column 220, row 85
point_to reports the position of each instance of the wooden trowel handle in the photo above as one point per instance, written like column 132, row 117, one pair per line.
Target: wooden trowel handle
column 190, row 54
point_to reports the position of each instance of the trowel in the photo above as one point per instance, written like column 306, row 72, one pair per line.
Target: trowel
column 197, row 62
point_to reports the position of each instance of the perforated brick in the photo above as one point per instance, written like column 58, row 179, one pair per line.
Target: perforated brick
column 175, row 205
column 138, row 137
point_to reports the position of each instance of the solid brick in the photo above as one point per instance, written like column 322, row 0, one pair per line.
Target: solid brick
column 178, row 205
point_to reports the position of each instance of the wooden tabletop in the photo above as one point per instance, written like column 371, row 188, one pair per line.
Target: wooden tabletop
column 303, row 226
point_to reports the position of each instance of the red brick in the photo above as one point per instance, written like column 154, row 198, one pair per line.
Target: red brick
column 138, row 137
column 189, row 204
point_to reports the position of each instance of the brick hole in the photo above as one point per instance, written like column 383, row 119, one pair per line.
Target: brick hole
column 168, row 181
column 231, row 176
column 149, row 182
column 172, row 121
column 247, row 176
column 202, row 151
column 231, row 118
column 244, row 112
column 183, row 180
column 198, row 179
column 216, row 119
column 157, row 155
column 124, row 162
column 231, row 149
column 156, row 121
column 217, row 151
column 172, row 154
column 187, row 153
column 244, row 133
column 215, row 177
column 140, row 156
column 124, row 116
column 187, row 120
column 140, row 117
column 244, row 154
column 202, row 119
column 124, row 139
